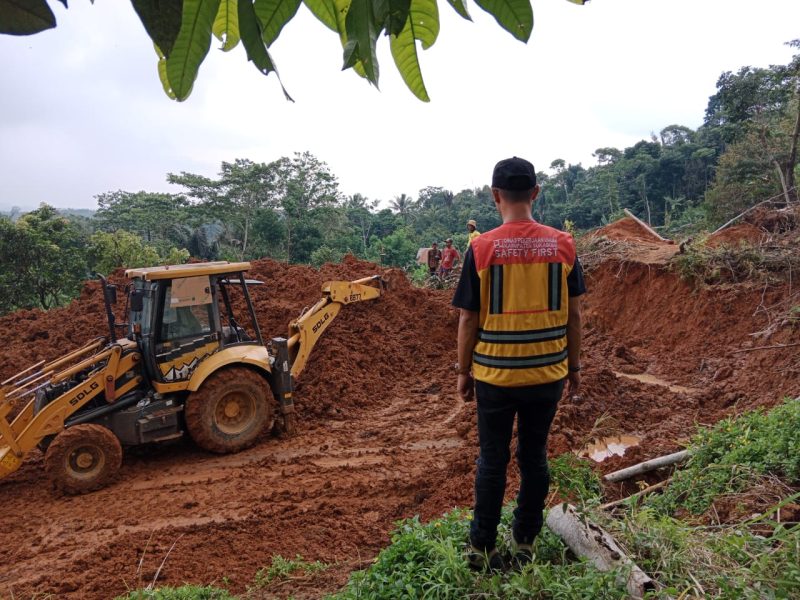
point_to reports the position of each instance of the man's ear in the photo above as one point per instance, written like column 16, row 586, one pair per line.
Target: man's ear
column 536, row 191
column 496, row 196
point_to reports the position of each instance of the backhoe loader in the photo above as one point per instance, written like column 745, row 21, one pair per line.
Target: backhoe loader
column 192, row 360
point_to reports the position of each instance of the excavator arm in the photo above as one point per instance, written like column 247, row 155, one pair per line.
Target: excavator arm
column 306, row 330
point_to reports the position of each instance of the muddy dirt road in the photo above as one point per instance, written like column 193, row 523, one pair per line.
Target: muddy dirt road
column 330, row 494
column 382, row 434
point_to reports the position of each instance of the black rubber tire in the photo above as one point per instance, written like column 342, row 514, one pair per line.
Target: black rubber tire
column 229, row 411
column 83, row 458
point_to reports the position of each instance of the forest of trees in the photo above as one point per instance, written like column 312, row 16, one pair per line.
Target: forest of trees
column 681, row 180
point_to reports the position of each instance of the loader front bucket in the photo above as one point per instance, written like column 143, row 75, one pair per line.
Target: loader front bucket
column 8, row 461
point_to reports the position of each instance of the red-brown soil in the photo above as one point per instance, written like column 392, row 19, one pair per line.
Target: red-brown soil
column 627, row 229
column 382, row 434
column 745, row 233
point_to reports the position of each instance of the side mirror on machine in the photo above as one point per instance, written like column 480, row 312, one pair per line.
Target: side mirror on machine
column 137, row 300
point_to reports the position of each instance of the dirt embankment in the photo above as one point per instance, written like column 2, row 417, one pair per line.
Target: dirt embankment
column 382, row 434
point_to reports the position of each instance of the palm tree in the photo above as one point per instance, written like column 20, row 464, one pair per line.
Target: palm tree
column 402, row 205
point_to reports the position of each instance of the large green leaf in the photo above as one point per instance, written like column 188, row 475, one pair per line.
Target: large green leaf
column 253, row 42
column 515, row 16
column 422, row 25
column 362, row 36
column 226, row 25
column 161, row 20
column 325, row 11
column 162, row 73
column 273, row 15
column 251, row 38
column 333, row 14
column 191, row 45
column 425, row 18
column 25, row 17
column 404, row 52
column 460, row 7
column 391, row 15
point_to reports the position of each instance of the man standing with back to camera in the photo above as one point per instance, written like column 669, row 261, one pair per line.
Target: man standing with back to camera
column 519, row 340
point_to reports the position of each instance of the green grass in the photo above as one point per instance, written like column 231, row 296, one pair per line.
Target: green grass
column 574, row 479
column 757, row 559
column 185, row 592
column 281, row 568
column 427, row 561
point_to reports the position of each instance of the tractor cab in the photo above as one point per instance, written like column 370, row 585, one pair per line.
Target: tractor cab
column 180, row 315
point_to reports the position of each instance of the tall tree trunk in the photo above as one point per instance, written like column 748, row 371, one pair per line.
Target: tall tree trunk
column 782, row 180
column 246, row 231
column 771, row 158
column 43, row 299
column 288, row 240
column 646, row 202
column 792, row 160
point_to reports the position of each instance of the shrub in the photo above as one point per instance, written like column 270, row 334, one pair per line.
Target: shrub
column 728, row 456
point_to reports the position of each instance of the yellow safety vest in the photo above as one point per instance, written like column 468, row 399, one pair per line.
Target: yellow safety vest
column 522, row 339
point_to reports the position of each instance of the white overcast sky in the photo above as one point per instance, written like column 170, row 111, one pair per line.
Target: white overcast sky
column 82, row 111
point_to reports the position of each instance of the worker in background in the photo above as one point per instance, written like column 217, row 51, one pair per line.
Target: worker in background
column 434, row 258
column 519, row 340
column 450, row 257
column 472, row 228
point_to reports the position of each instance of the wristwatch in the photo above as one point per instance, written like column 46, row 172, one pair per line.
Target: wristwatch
column 460, row 371
column 574, row 369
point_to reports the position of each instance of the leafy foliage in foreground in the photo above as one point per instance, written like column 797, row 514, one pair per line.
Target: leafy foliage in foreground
column 728, row 456
column 182, row 31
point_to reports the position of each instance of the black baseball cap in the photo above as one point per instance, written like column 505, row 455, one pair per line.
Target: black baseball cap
column 514, row 174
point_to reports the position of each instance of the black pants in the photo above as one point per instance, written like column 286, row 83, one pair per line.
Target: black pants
column 535, row 406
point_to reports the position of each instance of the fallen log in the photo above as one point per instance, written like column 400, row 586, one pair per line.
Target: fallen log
column 644, row 492
column 592, row 542
column 646, row 226
column 647, row 466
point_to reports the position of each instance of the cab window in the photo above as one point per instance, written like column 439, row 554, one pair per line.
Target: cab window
column 187, row 309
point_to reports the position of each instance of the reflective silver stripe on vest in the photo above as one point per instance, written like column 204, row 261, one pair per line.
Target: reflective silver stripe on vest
column 554, row 285
column 496, row 289
column 522, row 337
column 519, row 362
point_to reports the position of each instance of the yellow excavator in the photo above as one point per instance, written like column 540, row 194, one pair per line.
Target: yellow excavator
column 192, row 360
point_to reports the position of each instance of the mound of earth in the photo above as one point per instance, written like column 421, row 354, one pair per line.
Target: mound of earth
column 627, row 229
column 744, row 233
column 628, row 238
column 382, row 434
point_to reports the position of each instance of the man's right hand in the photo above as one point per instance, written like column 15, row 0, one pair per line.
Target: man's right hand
column 466, row 387
column 573, row 384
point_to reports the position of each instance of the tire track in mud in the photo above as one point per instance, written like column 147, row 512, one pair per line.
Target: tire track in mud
column 329, row 493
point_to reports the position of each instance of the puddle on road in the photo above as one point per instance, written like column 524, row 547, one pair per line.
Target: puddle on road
column 653, row 380
column 601, row 449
